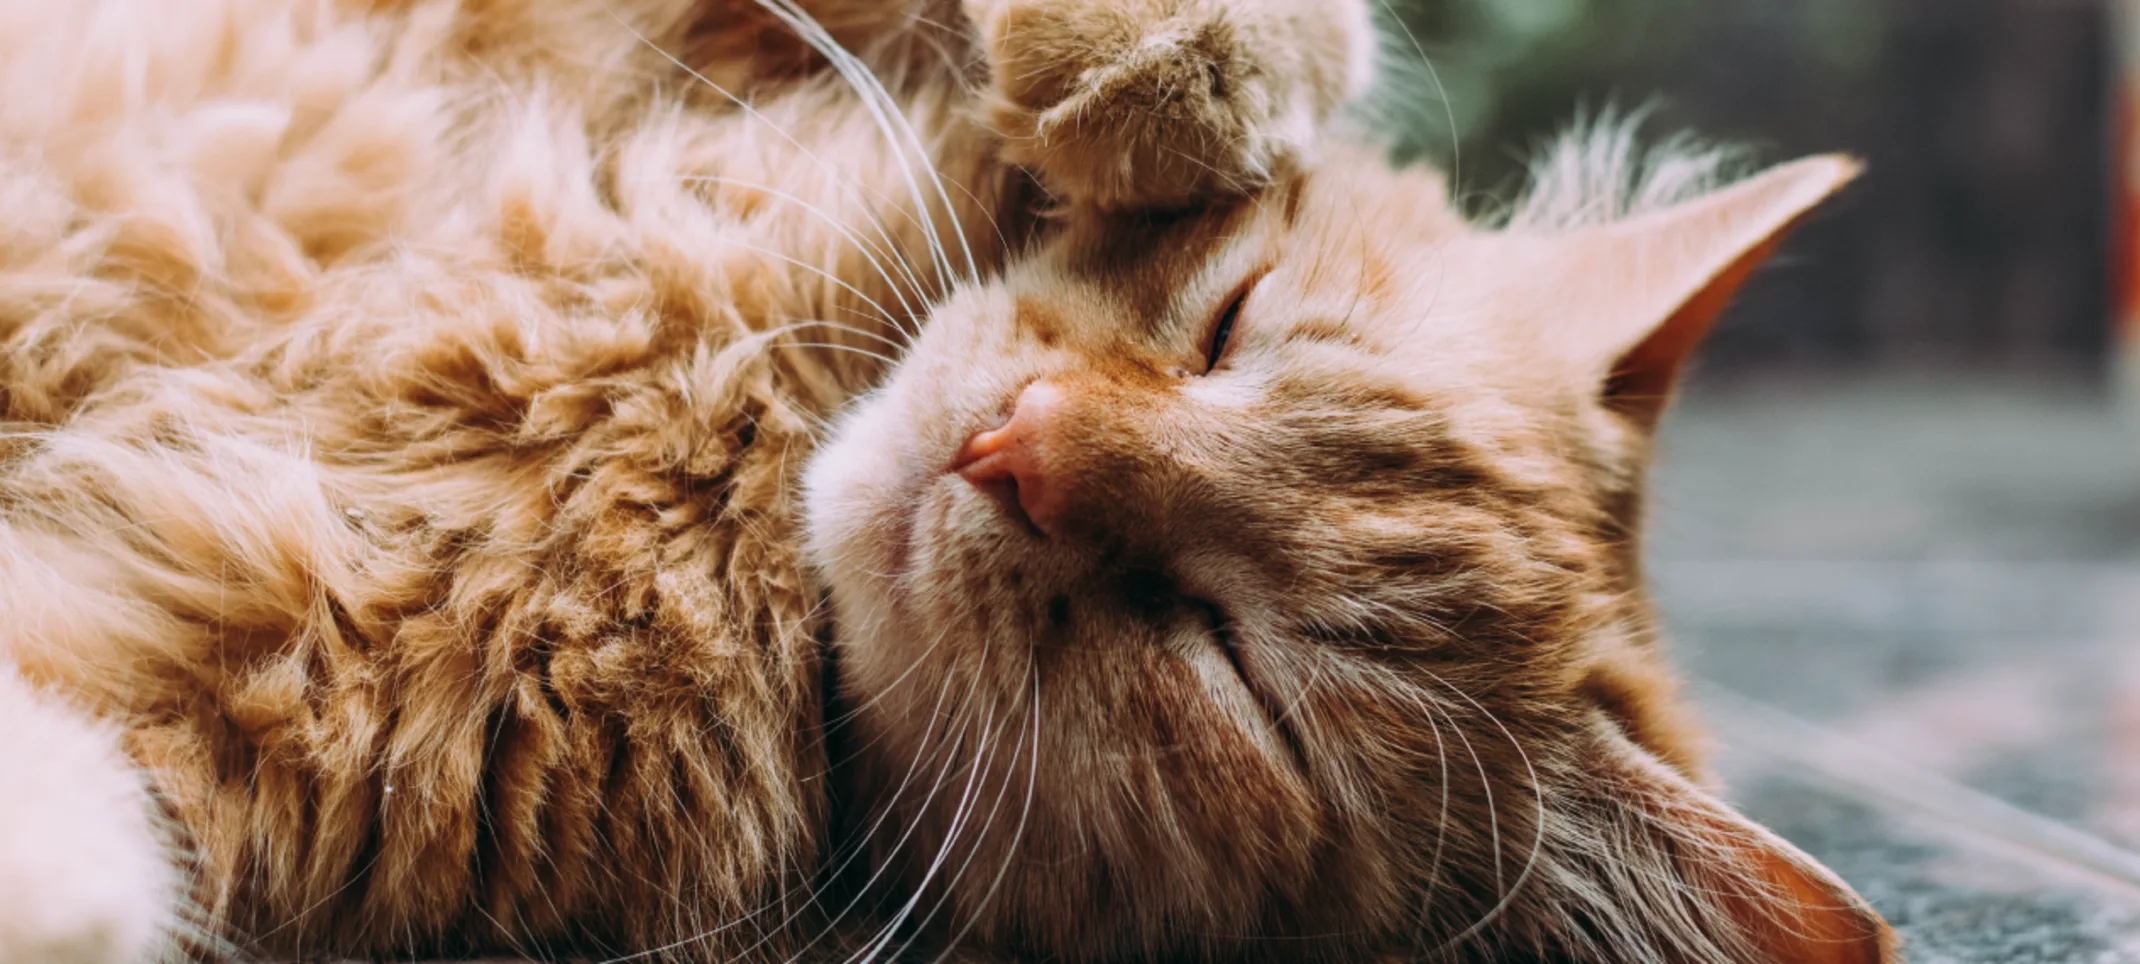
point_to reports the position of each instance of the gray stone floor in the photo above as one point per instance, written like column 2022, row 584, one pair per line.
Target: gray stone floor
column 1913, row 611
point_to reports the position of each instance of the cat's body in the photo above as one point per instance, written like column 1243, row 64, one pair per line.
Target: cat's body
column 404, row 412
column 401, row 501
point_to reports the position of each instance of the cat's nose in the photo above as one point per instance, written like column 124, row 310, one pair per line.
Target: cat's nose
column 1014, row 464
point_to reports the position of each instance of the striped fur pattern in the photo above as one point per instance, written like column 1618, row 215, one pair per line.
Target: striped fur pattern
column 431, row 432
column 1329, row 645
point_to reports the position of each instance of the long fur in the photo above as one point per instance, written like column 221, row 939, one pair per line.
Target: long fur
column 400, row 405
column 404, row 546
column 1601, row 170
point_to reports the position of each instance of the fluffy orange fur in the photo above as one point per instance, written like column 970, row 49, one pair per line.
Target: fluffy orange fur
column 1327, row 643
column 404, row 545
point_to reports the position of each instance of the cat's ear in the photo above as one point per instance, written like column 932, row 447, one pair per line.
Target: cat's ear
column 1644, row 292
column 1688, row 860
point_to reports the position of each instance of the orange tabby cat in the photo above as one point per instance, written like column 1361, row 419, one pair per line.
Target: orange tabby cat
column 403, row 539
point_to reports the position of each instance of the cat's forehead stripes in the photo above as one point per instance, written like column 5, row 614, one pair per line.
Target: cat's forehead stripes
column 1163, row 268
column 1385, row 541
column 1295, row 191
column 1324, row 266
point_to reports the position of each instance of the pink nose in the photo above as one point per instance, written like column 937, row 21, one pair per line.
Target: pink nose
column 1017, row 464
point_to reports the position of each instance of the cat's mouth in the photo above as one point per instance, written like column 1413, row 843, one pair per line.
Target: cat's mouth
column 940, row 530
column 930, row 510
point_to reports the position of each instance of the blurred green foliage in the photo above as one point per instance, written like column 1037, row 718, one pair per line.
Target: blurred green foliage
column 1495, row 76
column 1978, row 237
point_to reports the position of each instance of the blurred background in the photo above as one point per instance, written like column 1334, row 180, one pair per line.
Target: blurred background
column 1896, row 519
column 1978, row 238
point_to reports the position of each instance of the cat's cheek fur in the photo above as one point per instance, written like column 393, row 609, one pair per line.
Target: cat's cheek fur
column 862, row 491
column 84, row 875
column 853, row 493
column 1456, row 772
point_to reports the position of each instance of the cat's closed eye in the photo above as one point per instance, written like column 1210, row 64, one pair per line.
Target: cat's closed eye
column 1335, row 616
column 1216, row 339
column 1221, row 337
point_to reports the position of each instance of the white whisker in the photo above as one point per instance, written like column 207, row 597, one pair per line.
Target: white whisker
column 973, row 851
column 1441, row 822
column 883, row 108
column 838, row 180
column 1508, row 896
column 960, row 813
column 884, row 815
column 834, row 346
column 1010, row 853
column 883, row 314
column 868, row 249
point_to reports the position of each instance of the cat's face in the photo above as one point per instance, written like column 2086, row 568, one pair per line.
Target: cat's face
column 1253, row 581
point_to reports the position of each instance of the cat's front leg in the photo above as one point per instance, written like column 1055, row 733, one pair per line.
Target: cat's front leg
column 1163, row 103
column 84, row 878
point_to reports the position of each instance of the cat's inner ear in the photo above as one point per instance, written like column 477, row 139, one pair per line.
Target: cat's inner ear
column 1695, row 860
column 1647, row 290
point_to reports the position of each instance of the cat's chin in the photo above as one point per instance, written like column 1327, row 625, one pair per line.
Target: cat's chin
column 887, row 550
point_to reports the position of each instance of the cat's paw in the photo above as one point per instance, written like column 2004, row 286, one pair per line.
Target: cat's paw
column 83, row 876
column 1163, row 103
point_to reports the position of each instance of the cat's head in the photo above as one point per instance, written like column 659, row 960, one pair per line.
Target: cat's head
column 1261, row 581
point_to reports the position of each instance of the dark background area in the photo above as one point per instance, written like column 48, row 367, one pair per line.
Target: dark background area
column 1978, row 238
